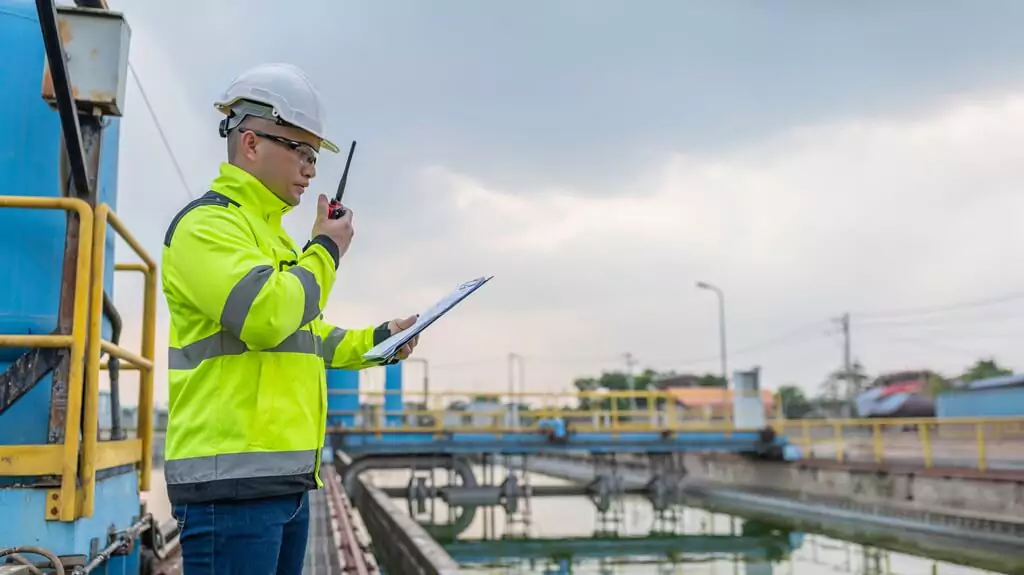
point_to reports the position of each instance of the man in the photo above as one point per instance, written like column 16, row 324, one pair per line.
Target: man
column 248, row 342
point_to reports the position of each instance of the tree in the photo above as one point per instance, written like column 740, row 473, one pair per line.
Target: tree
column 984, row 369
column 794, row 403
column 711, row 380
column 841, row 385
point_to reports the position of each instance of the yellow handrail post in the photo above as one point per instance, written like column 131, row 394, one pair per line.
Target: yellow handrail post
column 926, row 444
column 982, row 459
column 840, row 448
column 876, row 436
column 90, row 425
column 149, row 271
column 806, row 425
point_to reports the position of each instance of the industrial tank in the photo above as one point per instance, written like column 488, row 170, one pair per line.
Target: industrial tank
column 32, row 241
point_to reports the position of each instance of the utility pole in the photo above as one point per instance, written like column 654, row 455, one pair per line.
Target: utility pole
column 630, row 364
column 844, row 324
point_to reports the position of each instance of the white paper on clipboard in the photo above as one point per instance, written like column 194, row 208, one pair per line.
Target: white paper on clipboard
column 386, row 350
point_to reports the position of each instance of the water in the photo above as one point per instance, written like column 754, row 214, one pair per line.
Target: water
column 567, row 523
column 714, row 543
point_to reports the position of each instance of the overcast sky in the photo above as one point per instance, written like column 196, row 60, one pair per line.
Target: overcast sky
column 599, row 158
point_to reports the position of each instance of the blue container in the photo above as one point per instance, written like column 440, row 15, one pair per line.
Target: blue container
column 393, row 394
column 32, row 241
column 347, row 381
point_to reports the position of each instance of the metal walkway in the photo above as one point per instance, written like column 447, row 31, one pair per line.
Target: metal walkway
column 321, row 552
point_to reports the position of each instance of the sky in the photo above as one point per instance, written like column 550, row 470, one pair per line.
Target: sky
column 599, row 158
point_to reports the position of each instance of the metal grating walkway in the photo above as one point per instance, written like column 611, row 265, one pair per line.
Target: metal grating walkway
column 321, row 552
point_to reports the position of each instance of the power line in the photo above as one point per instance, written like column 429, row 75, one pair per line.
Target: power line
column 160, row 130
column 939, row 309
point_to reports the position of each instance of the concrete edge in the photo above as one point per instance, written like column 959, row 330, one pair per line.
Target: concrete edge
column 402, row 545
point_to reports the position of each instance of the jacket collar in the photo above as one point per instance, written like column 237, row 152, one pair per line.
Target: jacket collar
column 247, row 190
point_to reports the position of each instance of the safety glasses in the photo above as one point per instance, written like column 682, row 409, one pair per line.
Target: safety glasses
column 306, row 153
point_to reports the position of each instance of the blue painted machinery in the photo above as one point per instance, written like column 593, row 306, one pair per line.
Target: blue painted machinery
column 69, row 496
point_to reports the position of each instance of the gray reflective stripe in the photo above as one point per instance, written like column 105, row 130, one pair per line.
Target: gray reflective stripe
column 239, row 466
column 312, row 291
column 223, row 344
column 331, row 343
column 236, row 308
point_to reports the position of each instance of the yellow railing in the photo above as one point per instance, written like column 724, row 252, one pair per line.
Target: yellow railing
column 956, row 442
column 613, row 412
column 86, row 344
column 973, row 443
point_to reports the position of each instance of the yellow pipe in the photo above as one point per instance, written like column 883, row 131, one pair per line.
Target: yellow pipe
column 129, row 267
column 29, row 460
column 35, row 341
column 146, row 383
column 129, row 356
column 145, row 429
column 79, row 328
column 90, row 425
column 982, row 459
column 73, row 407
column 876, row 436
column 129, row 239
column 926, row 445
column 123, row 367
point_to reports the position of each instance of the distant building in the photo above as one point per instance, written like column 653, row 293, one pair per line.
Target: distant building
column 699, row 400
column 713, row 402
column 1001, row 396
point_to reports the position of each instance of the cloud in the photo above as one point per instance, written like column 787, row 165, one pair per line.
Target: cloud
column 870, row 213
column 862, row 213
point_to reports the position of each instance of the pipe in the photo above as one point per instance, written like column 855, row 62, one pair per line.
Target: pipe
column 20, row 560
column 113, row 364
column 54, row 560
column 126, row 538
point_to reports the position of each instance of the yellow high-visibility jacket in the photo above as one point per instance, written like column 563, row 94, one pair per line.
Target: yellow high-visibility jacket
column 248, row 346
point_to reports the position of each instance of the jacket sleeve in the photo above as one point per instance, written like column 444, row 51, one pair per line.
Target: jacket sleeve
column 344, row 348
column 219, row 269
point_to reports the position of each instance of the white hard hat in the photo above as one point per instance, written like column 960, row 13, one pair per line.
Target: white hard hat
column 286, row 92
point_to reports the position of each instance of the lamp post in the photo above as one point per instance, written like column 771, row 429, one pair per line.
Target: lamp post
column 721, row 326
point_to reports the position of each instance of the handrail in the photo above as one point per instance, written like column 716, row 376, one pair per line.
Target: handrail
column 980, row 443
column 86, row 343
column 97, row 345
column 69, row 459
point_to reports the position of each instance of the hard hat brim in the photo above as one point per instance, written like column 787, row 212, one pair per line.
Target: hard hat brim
column 224, row 107
column 329, row 145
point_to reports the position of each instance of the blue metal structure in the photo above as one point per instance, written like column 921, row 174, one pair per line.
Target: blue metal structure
column 393, row 404
column 358, row 443
column 346, row 382
column 59, row 165
column 33, row 240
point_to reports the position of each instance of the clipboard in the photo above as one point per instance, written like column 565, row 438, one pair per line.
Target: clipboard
column 386, row 350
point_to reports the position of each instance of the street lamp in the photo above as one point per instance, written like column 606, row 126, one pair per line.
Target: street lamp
column 721, row 325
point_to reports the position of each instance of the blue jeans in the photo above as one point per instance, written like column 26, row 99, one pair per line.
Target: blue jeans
column 254, row 537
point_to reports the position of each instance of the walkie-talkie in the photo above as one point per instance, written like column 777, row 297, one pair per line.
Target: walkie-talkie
column 335, row 210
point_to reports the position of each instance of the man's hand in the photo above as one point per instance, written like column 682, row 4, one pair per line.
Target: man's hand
column 339, row 230
column 400, row 325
